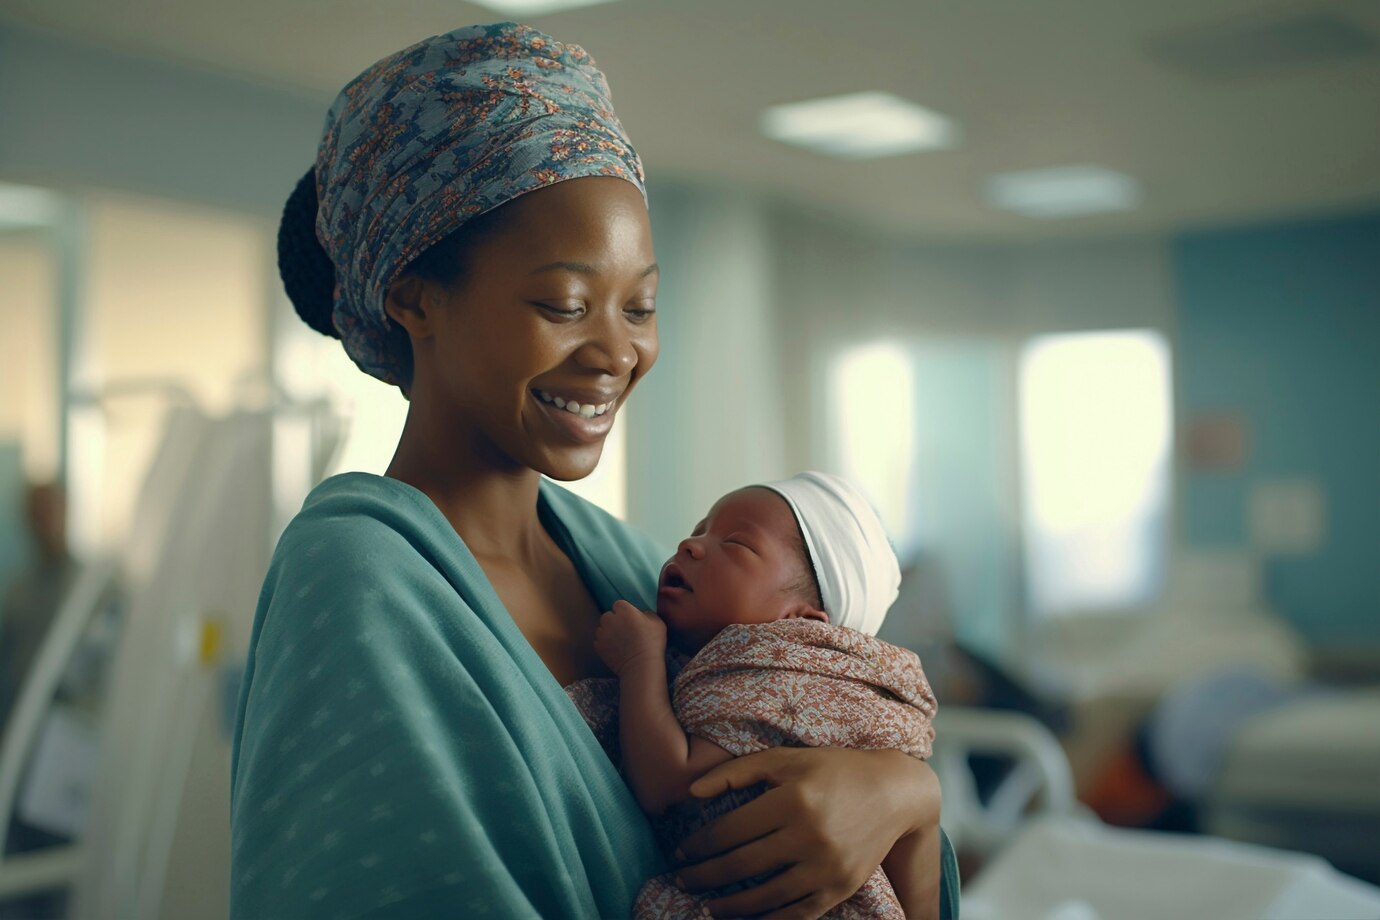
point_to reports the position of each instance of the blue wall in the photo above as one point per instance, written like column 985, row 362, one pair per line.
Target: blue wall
column 1281, row 324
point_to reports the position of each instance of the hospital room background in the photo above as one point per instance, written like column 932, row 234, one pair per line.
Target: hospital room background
column 1085, row 294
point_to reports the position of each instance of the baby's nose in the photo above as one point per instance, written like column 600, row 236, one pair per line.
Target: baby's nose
column 692, row 547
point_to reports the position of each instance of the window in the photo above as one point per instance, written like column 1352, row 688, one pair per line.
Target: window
column 1095, row 437
column 925, row 428
column 872, row 412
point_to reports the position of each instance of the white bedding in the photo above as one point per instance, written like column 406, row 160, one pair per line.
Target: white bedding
column 1062, row 868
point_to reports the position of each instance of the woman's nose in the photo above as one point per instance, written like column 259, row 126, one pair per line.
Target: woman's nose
column 609, row 348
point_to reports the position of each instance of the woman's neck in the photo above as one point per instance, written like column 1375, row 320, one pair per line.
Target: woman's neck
column 492, row 506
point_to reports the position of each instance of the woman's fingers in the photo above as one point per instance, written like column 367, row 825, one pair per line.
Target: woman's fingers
column 741, row 772
column 759, row 856
column 743, row 825
column 832, row 815
column 788, row 888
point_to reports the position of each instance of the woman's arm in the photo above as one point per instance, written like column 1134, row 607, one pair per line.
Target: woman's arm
column 659, row 759
column 913, row 865
column 832, row 814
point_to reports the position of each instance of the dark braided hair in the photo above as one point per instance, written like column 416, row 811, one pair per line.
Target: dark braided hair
column 307, row 273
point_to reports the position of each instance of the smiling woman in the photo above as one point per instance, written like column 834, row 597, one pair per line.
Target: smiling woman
column 405, row 745
column 560, row 298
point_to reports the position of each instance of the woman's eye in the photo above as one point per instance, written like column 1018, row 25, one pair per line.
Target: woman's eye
column 560, row 311
column 640, row 314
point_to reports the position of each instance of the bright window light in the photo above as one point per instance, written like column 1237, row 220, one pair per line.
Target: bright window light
column 873, row 405
column 1095, row 438
column 859, row 126
column 523, row 8
column 22, row 206
column 1066, row 191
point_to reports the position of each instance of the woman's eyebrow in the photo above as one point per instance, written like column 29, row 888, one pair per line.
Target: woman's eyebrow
column 584, row 268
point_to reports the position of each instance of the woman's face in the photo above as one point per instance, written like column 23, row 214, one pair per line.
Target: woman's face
column 554, row 312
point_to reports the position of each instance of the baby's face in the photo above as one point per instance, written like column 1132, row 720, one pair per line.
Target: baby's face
column 737, row 566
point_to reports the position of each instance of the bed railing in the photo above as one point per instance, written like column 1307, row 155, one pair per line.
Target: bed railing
column 1040, row 782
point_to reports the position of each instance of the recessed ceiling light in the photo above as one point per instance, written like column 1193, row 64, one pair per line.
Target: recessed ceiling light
column 1064, row 191
column 524, row 8
column 859, row 126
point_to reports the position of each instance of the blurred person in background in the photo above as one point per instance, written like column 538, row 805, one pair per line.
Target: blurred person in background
column 475, row 231
column 37, row 591
column 31, row 605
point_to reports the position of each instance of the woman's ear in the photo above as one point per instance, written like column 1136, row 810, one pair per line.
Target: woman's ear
column 410, row 302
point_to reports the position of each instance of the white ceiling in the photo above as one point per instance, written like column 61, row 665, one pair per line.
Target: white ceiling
column 1032, row 83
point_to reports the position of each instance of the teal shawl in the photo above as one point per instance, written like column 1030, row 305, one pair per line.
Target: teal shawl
column 400, row 749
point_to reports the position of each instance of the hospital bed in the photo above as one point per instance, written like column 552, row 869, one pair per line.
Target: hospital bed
column 1296, row 765
column 1052, row 860
column 1305, row 776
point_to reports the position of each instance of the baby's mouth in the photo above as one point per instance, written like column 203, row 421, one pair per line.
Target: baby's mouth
column 673, row 579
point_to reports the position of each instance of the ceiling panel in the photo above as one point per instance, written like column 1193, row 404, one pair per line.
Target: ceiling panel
column 1032, row 85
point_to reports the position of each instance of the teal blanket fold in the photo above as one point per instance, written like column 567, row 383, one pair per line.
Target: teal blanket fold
column 401, row 751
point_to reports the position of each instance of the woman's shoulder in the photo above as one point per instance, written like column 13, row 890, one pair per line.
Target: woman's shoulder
column 360, row 510
column 359, row 497
column 357, row 534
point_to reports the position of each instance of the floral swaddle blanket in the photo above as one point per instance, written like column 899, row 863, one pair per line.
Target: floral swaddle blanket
column 794, row 683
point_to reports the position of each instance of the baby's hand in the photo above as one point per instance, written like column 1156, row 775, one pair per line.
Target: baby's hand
column 626, row 634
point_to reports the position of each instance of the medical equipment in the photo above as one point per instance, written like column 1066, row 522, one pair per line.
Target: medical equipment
column 155, row 839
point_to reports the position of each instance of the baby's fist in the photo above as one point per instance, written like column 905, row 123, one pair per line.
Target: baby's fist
column 626, row 634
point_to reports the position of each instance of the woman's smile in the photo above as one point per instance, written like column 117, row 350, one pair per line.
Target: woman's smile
column 587, row 423
column 579, row 404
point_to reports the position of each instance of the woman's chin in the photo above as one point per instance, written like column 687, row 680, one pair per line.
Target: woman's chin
column 570, row 464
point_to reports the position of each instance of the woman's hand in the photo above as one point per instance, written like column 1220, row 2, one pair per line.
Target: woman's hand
column 831, row 816
column 626, row 634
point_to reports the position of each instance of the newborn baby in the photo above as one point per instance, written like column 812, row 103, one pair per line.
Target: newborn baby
column 777, row 594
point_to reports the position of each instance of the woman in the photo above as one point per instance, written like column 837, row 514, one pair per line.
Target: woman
column 404, row 745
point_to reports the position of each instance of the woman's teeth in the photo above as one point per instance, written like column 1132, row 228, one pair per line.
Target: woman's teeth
column 587, row 410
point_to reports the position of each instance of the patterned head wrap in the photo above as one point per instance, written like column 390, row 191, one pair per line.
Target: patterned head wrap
column 859, row 577
column 441, row 132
